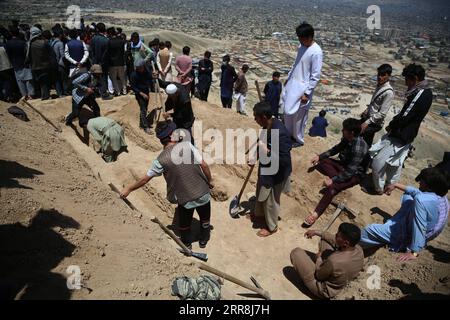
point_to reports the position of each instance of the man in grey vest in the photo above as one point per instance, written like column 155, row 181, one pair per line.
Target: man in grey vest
column 188, row 180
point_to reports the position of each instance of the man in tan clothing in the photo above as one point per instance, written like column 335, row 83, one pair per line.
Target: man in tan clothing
column 164, row 62
column 339, row 261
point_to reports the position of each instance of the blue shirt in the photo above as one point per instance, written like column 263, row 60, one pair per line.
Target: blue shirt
column 318, row 129
column 141, row 82
column 272, row 91
column 283, row 156
column 421, row 217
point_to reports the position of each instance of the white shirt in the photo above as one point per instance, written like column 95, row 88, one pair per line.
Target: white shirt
column 303, row 78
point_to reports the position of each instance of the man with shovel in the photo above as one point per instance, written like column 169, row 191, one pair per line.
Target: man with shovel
column 141, row 81
column 273, row 176
column 188, row 181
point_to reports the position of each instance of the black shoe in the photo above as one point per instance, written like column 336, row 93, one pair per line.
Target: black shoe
column 205, row 234
column 107, row 97
column 297, row 144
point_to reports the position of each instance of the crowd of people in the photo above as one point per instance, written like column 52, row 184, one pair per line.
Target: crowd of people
column 85, row 60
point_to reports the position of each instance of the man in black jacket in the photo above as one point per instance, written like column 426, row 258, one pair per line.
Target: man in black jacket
column 97, row 50
column 115, row 57
column 205, row 70
column 391, row 151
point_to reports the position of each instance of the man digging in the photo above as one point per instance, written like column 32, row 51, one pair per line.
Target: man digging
column 188, row 182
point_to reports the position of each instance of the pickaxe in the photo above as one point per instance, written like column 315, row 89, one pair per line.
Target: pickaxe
column 185, row 250
column 257, row 289
column 339, row 207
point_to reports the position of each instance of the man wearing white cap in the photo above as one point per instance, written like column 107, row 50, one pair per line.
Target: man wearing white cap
column 179, row 101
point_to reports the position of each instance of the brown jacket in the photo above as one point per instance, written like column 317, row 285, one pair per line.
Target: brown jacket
column 335, row 269
column 241, row 85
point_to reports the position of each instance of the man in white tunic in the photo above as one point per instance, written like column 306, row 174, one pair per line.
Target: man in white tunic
column 299, row 87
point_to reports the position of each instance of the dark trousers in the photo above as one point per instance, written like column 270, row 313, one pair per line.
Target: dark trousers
column 370, row 132
column 332, row 168
column 227, row 102
column 143, row 105
column 204, row 93
column 103, row 88
column 185, row 220
column 62, row 82
column 5, row 85
column 42, row 78
column 76, row 107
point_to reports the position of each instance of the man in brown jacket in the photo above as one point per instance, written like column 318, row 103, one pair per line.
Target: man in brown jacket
column 240, row 90
column 339, row 261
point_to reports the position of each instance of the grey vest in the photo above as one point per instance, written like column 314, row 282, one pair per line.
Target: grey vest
column 185, row 182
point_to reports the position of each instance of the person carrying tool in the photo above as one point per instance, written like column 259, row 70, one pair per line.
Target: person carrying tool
column 341, row 174
column 188, row 182
column 141, row 81
column 270, row 185
column 339, row 260
column 179, row 101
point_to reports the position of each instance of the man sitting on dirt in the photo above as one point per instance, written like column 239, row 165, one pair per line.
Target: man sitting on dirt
column 108, row 133
column 271, row 185
column 343, row 173
column 339, row 261
column 85, row 85
column 188, row 182
column 422, row 216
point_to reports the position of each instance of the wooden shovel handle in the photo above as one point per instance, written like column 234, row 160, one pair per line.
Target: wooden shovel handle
column 258, row 90
column 245, row 182
column 243, row 284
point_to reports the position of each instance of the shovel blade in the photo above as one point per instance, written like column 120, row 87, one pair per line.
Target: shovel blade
column 234, row 207
column 198, row 255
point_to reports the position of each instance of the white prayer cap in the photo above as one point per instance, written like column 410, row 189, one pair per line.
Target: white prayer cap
column 171, row 89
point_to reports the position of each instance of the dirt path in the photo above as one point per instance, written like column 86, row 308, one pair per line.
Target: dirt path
column 234, row 246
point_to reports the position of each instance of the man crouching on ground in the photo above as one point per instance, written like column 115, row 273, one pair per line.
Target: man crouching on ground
column 339, row 261
column 188, row 182
column 271, row 185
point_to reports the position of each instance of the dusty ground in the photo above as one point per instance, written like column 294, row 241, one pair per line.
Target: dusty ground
column 139, row 261
column 56, row 213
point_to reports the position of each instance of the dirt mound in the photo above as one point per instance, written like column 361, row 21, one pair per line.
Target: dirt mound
column 234, row 247
column 56, row 213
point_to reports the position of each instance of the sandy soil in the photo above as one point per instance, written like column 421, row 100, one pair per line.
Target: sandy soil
column 137, row 260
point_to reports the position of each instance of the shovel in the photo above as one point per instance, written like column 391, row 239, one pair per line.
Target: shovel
column 235, row 207
column 158, row 99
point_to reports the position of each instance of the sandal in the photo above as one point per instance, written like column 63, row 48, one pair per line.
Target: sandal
column 309, row 218
column 265, row 233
